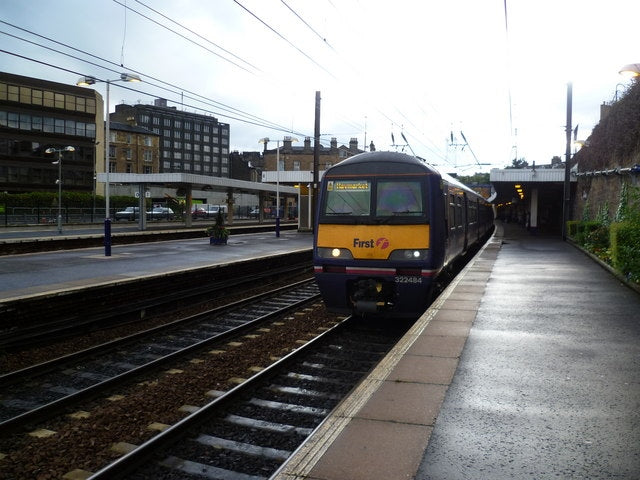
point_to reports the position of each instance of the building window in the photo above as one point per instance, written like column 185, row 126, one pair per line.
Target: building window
column 296, row 165
column 70, row 127
column 148, row 169
column 25, row 95
column 167, row 122
column 70, row 102
column 147, row 141
column 129, row 168
column 127, row 153
column 58, row 99
column 147, row 155
column 48, row 99
column 13, row 120
column 13, row 93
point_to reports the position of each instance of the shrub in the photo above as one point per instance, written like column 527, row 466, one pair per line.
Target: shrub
column 625, row 249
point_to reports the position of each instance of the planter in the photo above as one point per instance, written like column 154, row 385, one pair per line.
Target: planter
column 217, row 241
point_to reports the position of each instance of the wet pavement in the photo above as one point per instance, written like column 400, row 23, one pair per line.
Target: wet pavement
column 548, row 385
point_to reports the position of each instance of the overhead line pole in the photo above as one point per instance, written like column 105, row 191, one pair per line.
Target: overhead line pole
column 316, row 160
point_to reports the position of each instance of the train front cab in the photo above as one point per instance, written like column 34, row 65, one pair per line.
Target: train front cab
column 379, row 260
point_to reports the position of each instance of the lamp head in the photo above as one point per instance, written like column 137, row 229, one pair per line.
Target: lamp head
column 130, row 77
column 264, row 140
column 631, row 70
column 86, row 81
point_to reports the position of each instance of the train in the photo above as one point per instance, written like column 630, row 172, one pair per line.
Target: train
column 387, row 225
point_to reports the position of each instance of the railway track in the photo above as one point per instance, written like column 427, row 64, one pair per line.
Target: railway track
column 249, row 431
column 39, row 392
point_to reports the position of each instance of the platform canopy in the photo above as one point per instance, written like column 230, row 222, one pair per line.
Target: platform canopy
column 504, row 182
column 196, row 182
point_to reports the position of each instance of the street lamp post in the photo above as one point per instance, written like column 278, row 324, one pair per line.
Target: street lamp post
column 86, row 81
column 266, row 141
column 59, row 182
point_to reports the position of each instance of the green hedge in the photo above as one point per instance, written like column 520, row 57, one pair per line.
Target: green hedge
column 69, row 199
column 582, row 231
column 625, row 249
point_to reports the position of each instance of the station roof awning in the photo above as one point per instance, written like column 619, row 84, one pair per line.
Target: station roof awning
column 504, row 182
column 198, row 182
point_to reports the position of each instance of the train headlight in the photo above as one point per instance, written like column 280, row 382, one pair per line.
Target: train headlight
column 335, row 253
column 409, row 254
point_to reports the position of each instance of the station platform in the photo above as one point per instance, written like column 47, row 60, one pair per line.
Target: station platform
column 48, row 272
column 526, row 367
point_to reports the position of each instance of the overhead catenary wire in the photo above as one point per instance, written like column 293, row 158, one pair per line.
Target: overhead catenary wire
column 223, row 109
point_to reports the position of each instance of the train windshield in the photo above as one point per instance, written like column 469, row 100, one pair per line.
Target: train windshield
column 348, row 197
column 399, row 198
column 379, row 198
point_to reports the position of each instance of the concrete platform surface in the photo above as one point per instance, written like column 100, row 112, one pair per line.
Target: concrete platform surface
column 38, row 273
column 526, row 367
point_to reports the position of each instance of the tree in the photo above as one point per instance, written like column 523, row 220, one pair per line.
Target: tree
column 518, row 163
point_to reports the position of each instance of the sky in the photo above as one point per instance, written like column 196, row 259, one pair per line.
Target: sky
column 468, row 85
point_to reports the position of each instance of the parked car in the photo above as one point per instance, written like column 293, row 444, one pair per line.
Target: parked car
column 129, row 213
column 198, row 211
column 255, row 213
column 206, row 210
column 159, row 213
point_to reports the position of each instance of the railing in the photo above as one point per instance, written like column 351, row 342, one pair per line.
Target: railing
column 16, row 216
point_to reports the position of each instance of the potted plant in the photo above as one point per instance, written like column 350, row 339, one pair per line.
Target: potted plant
column 217, row 232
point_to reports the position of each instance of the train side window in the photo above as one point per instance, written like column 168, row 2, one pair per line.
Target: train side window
column 399, row 198
column 458, row 212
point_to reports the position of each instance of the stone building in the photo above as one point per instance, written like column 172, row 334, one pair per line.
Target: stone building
column 295, row 158
column 132, row 149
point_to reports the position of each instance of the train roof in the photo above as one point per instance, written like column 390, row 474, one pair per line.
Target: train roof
column 376, row 163
column 380, row 162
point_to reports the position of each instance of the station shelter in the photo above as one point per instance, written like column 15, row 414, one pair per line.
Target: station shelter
column 532, row 197
column 188, row 183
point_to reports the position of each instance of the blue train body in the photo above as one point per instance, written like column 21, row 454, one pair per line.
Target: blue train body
column 387, row 224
